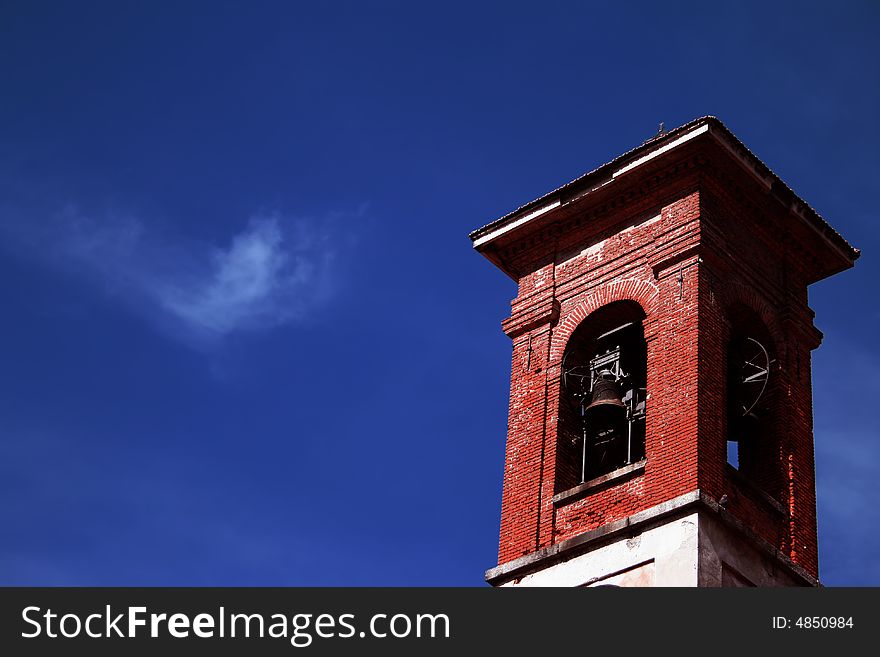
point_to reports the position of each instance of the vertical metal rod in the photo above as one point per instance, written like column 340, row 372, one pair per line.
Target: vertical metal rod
column 584, row 457
column 529, row 355
column 629, row 441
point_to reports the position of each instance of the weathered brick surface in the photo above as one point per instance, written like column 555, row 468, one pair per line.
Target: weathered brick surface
column 687, row 240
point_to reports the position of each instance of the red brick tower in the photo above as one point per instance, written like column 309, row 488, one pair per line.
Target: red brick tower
column 660, row 427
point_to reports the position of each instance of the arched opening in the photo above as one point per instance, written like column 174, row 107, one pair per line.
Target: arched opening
column 602, row 395
column 752, row 446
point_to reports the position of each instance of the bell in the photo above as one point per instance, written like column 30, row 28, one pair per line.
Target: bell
column 606, row 398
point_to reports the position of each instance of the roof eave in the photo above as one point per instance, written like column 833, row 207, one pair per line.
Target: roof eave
column 552, row 202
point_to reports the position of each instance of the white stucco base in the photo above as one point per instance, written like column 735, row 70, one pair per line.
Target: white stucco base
column 727, row 559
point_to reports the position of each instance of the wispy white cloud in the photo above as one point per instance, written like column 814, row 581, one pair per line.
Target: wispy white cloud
column 258, row 281
column 274, row 271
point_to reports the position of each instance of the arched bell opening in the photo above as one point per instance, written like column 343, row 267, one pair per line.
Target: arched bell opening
column 751, row 404
column 602, row 395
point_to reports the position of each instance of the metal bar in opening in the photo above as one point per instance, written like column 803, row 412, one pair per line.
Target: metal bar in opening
column 615, row 330
column 629, row 441
column 584, row 457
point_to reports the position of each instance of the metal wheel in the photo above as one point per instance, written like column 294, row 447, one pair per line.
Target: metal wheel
column 754, row 372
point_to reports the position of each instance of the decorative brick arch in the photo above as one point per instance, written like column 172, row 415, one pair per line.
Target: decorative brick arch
column 737, row 293
column 640, row 291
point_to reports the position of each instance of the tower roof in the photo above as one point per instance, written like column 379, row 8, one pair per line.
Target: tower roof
column 663, row 145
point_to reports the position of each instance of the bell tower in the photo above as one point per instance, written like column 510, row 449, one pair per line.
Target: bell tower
column 660, row 419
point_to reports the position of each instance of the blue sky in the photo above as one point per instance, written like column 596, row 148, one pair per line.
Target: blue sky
column 245, row 338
